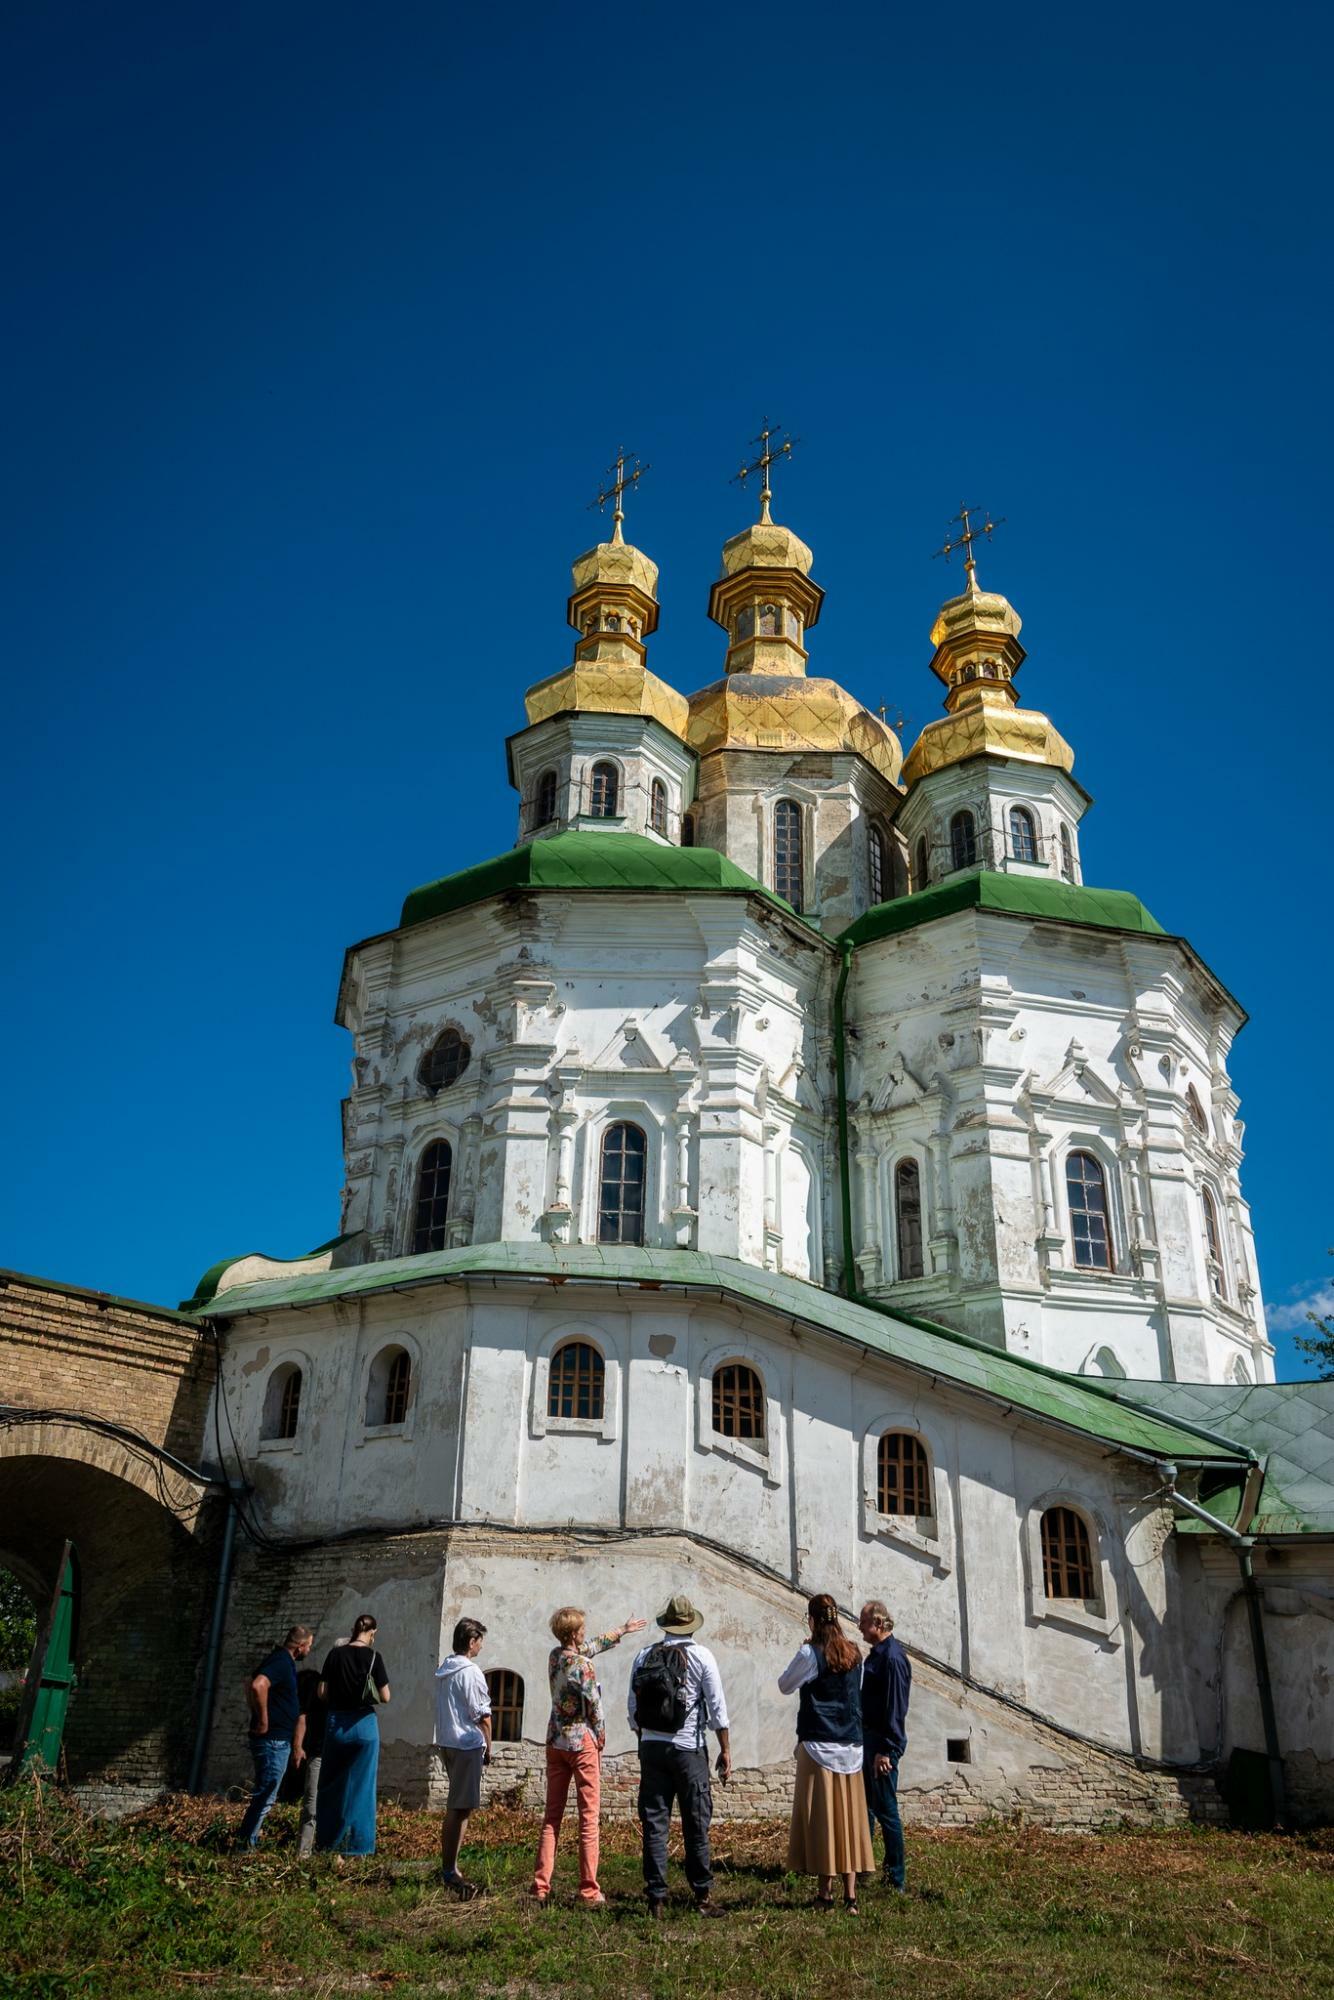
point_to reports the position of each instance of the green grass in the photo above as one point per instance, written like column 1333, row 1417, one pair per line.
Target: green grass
column 159, row 1906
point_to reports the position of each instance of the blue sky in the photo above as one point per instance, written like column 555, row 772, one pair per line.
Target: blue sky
column 323, row 323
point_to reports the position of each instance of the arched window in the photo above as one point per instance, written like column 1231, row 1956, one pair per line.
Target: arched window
column 1196, row 1110
column 1240, row 1374
column 1086, row 1190
column 1213, row 1245
column 445, row 1061
column 787, row 851
column 605, row 792
column 738, row 1402
column 621, row 1185
column 433, row 1174
column 1067, row 1555
column 576, row 1381
column 908, row 1217
column 1104, row 1363
column 903, row 1475
column 657, row 807
column 1067, row 853
column 545, row 810
column 389, row 1387
column 922, row 867
column 878, row 857
column 688, row 830
column 505, row 1688
column 963, row 840
column 282, row 1402
column 1023, row 834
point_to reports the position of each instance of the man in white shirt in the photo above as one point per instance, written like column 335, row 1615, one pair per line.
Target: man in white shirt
column 463, row 1731
column 676, row 1694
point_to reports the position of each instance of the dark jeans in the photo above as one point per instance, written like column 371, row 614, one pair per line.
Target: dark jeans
column 882, row 1808
column 668, row 1775
column 270, row 1754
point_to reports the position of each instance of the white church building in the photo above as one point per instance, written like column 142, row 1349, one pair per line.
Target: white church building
column 781, row 1171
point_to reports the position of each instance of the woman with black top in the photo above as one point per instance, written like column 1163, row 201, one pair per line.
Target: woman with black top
column 353, row 1685
column 829, row 1835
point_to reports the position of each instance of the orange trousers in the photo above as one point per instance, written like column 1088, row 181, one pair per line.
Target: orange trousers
column 584, row 1767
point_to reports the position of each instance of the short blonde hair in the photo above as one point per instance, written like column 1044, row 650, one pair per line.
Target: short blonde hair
column 566, row 1622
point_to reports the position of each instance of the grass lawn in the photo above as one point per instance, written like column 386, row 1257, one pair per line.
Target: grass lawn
column 157, row 1905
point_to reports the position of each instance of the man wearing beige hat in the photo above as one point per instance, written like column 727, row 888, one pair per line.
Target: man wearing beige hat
column 676, row 1694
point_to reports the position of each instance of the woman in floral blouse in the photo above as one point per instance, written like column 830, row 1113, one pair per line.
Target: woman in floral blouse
column 576, row 1736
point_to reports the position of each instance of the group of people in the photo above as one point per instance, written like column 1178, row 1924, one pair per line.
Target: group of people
column 851, row 1737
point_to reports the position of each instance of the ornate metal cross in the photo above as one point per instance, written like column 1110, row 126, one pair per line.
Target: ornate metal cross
column 966, row 537
column 623, row 482
column 763, row 462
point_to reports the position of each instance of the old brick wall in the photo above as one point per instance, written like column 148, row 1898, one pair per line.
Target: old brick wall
column 145, row 1533
column 1061, row 1783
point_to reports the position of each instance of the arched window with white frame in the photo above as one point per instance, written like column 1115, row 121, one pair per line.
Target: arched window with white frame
column 604, row 791
column 738, row 1403
column 1213, row 1245
column 1090, row 1220
column 877, row 854
column 908, row 1218
column 903, row 1476
column 657, row 807
column 1023, row 834
column 282, row 1403
column 389, row 1389
column 621, row 1184
column 1195, row 1111
column 576, row 1383
column 1068, row 1569
column 963, row 840
column 434, row 1172
column 788, row 852
column 544, row 810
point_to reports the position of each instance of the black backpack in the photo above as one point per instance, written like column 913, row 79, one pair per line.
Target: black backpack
column 659, row 1683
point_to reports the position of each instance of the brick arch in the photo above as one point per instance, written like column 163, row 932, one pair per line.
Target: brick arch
column 76, row 1445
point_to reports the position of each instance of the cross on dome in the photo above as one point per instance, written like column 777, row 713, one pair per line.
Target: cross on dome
column 762, row 464
column 965, row 538
column 623, row 482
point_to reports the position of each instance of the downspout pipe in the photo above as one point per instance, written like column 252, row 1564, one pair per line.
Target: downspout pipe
column 1264, row 1687
column 851, row 1288
column 217, row 1626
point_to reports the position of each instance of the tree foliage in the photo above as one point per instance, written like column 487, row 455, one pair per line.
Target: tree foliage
column 1319, row 1346
column 18, row 1624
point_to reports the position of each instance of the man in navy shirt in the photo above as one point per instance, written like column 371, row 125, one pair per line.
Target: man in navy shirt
column 886, row 1687
column 275, row 1709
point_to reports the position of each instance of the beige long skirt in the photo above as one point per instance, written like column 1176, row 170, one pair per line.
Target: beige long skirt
column 830, row 1832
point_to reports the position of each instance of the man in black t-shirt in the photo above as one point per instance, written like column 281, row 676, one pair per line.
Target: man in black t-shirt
column 275, row 1710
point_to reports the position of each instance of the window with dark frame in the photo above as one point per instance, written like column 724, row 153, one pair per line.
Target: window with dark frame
column 1023, row 834
column 903, row 1475
column 1067, row 1556
column 1196, row 1110
column 923, row 866
column 621, row 1185
column 878, row 860
column 688, row 830
column 505, row 1688
column 433, row 1177
column 576, row 1382
column 657, row 807
column 1067, row 853
column 289, row 1405
column 545, row 810
column 605, row 792
column 1213, row 1244
column 908, row 1217
column 1086, row 1191
column 397, row 1384
column 963, row 840
column 445, row 1060
column 787, row 851
column 738, row 1403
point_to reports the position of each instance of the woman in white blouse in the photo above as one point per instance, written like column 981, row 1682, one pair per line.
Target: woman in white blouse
column 829, row 1835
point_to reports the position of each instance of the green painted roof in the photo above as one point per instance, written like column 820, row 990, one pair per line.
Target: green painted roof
column 1024, row 1386
column 1289, row 1424
column 212, row 1278
column 621, row 862
column 1012, row 895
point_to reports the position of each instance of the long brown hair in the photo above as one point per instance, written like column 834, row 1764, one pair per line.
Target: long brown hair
column 829, row 1638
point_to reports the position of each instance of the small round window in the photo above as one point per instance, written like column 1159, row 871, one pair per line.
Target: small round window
column 445, row 1060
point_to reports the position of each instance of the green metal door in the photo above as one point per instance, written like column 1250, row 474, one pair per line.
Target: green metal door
column 51, row 1676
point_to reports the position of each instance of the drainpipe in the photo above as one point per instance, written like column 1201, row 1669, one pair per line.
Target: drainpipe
column 216, row 1626
column 851, row 1288
column 1242, row 1546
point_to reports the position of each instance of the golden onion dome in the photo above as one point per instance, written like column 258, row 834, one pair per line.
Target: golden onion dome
column 766, row 545
column 755, row 711
column 608, row 688
column 977, row 655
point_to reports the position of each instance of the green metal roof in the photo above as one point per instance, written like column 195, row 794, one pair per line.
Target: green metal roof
column 212, row 1278
column 1023, row 1386
column 622, row 862
column 1289, row 1424
column 1012, row 895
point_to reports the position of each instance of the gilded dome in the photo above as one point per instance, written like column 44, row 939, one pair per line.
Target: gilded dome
column 977, row 655
column 766, row 545
column 619, row 564
column 752, row 711
column 983, row 730
column 608, row 688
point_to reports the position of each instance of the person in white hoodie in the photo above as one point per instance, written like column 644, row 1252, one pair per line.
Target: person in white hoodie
column 463, row 1732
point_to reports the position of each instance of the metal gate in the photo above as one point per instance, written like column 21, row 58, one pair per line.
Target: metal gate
column 51, row 1677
